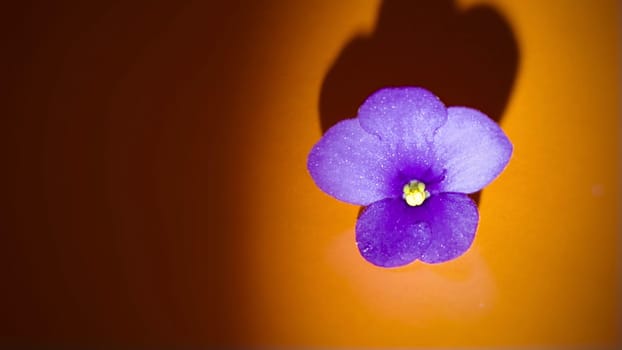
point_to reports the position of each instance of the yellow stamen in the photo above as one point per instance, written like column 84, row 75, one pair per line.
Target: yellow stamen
column 415, row 193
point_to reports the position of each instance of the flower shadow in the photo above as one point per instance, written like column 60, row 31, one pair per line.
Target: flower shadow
column 466, row 57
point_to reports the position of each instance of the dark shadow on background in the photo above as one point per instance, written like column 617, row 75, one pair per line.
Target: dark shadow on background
column 467, row 58
column 116, row 220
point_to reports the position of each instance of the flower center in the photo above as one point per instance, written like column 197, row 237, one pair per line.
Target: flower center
column 415, row 193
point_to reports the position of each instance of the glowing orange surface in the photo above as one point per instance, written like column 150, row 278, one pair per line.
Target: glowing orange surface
column 157, row 192
column 543, row 266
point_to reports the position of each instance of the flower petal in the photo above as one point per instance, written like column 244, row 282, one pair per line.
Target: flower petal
column 452, row 218
column 404, row 114
column 389, row 233
column 351, row 165
column 472, row 149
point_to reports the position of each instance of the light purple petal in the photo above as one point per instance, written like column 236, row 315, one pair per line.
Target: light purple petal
column 389, row 233
column 403, row 115
column 452, row 218
column 472, row 149
column 351, row 165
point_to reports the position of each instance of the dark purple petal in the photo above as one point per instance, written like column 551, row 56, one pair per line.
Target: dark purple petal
column 403, row 115
column 452, row 218
column 351, row 165
column 472, row 149
column 389, row 233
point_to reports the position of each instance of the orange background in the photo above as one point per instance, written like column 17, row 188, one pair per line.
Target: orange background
column 155, row 189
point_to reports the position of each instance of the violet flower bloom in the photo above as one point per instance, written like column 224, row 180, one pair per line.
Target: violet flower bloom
column 412, row 162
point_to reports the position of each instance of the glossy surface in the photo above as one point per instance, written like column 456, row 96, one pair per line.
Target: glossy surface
column 156, row 190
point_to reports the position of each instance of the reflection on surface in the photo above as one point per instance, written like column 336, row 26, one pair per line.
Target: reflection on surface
column 462, row 289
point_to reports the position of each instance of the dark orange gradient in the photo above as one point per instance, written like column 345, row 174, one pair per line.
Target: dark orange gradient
column 154, row 186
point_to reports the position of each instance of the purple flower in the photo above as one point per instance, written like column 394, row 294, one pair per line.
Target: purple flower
column 412, row 162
